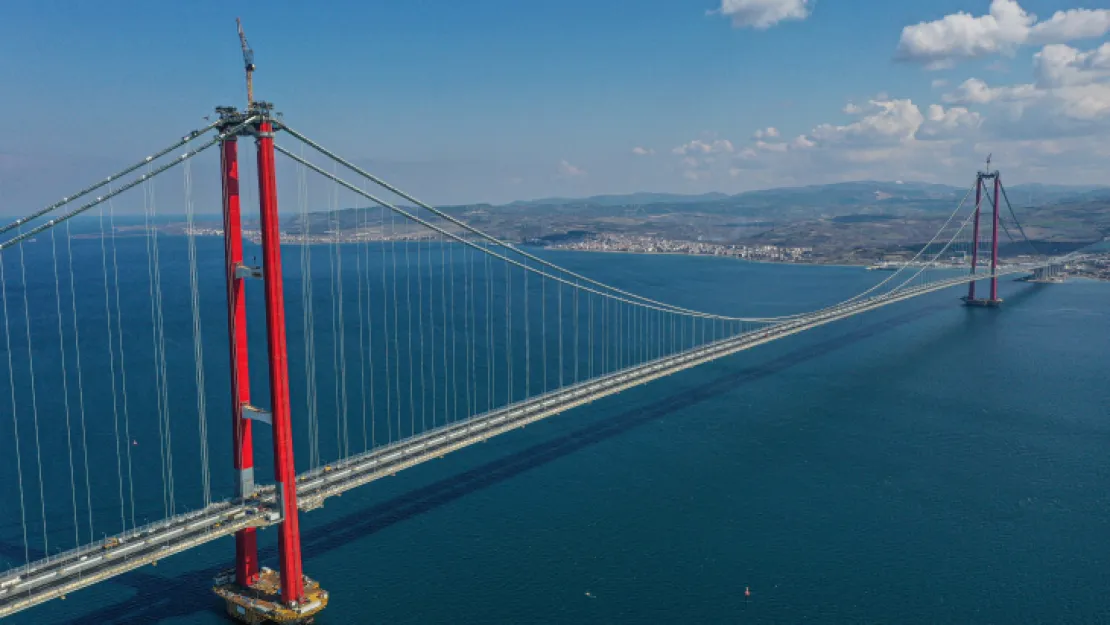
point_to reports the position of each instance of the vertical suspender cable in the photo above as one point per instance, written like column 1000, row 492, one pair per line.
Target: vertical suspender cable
column 543, row 328
column 370, row 329
column 420, row 327
column 15, row 419
column 346, row 451
column 408, row 330
column 576, row 341
column 308, row 323
column 508, row 336
column 112, row 372
column 560, row 335
column 491, row 380
column 65, row 387
column 34, row 397
column 358, row 228
column 454, row 332
column 80, row 379
column 527, row 337
column 385, row 337
column 365, row 271
column 338, row 364
column 470, row 330
column 198, row 343
column 432, row 332
column 590, row 341
column 155, row 299
column 443, row 305
column 396, row 322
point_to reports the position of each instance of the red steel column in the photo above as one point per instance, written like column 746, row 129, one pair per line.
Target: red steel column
column 246, row 545
column 975, row 236
column 289, row 534
column 994, row 240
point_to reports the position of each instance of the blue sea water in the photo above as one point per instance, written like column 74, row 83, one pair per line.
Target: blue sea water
column 921, row 463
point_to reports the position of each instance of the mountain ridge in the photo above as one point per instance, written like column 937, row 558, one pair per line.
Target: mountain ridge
column 1041, row 193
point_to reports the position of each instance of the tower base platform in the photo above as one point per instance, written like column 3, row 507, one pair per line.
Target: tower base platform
column 982, row 303
column 261, row 602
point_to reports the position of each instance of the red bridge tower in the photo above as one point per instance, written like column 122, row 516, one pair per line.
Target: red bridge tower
column 254, row 594
column 993, row 301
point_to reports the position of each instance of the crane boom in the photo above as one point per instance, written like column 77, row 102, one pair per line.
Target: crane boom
column 248, row 62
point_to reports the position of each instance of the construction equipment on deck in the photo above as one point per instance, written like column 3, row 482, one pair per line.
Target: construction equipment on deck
column 248, row 62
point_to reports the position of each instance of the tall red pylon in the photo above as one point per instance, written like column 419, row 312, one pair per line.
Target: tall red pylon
column 246, row 546
column 254, row 594
column 289, row 535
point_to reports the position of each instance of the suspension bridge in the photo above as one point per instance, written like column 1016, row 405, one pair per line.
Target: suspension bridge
column 451, row 336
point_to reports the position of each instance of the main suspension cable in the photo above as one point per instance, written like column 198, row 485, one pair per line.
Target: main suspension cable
column 116, row 176
column 491, row 239
column 493, row 254
column 134, row 183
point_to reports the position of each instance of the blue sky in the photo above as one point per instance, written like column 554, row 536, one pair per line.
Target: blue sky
column 500, row 100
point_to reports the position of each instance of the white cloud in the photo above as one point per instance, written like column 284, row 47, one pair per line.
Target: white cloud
column 852, row 109
column 697, row 146
column 976, row 91
column 955, row 116
column 770, row 132
column 802, row 142
column 1060, row 65
column 763, row 13
column 962, row 35
column 570, row 171
column 887, row 134
column 945, row 123
column 770, row 147
column 705, row 159
column 1070, row 85
column 1084, row 102
column 1056, row 128
column 889, row 121
column 940, row 43
column 1071, row 25
column 938, row 83
column 639, row 151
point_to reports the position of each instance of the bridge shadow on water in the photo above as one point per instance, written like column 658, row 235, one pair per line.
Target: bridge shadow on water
column 157, row 598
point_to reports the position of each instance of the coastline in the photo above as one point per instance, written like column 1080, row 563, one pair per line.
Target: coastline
column 298, row 240
column 723, row 256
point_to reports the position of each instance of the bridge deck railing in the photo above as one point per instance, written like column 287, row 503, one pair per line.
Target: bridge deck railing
column 122, row 537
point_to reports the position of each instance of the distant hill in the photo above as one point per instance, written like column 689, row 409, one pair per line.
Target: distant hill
column 1045, row 194
column 790, row 203
column 630, row 199
column 843, row 193
column 837, row 218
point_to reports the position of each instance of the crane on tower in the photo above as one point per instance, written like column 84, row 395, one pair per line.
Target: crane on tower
column 248, row 62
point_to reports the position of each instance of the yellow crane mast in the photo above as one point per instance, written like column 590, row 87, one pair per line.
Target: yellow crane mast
column 248, row 62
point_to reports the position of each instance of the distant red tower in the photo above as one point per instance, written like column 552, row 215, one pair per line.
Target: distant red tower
column 993, row 300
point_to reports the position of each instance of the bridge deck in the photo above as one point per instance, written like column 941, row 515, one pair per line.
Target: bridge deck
column 46, row 579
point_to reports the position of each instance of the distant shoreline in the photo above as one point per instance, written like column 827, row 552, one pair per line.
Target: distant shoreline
column 288, row 239
column 724, row 256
